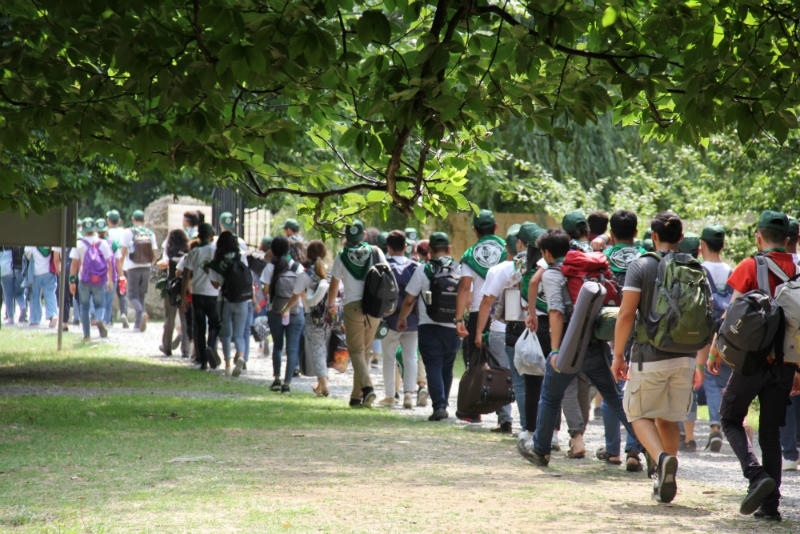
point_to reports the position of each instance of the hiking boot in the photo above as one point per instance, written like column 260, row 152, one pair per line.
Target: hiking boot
column 503, row 428
column 689, row 446
column 664, row 484
column 760, row 489
column 422, row 396
column 276, row 385
column 408, row 400
column 714, row 441
column 525, row 449
column 369, row 397
column 633, row 464
column 102, row 329
column 439, row 414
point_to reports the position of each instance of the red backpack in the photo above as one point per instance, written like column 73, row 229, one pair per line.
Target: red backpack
column 578, row 267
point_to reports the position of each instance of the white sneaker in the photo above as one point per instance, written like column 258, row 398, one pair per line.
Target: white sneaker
column 408, row 400
column 789, row 465
column 422, row 396
column 524, row 435
column 228, row 370
column 387, row 401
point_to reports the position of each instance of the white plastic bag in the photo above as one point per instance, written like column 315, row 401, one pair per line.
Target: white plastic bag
column 528, row 356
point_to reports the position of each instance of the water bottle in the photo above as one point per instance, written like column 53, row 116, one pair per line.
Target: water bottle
column 123, row 286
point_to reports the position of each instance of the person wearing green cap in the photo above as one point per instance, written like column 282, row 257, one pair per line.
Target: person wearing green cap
column 227, row 223
column 487, row 252
column 91, row 275
column 101, row 226
column 43, row 265
column 502, row 285
column 138, row 250
column 350, row 268
column 712, row 241
column 772, row 383
column 116, row 232
column 574, row 223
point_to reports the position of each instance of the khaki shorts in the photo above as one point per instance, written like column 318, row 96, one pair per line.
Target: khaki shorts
column 661, row 390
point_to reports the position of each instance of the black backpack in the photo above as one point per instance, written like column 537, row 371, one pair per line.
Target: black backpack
column 444, row 280
column 380, row 289
column 238, row 282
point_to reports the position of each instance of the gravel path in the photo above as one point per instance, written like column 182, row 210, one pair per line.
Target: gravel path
column 719, row 470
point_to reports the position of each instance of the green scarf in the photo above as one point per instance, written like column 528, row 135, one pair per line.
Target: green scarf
column 486, row 253
column 44, row 251
column 356, row 259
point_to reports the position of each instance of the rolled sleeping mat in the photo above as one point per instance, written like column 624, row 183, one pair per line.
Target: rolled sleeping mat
column 581, row 328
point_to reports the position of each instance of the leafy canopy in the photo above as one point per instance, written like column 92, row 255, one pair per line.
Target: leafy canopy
column 348, row 104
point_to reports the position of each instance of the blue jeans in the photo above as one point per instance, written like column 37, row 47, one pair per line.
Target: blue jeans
column 97, row 293
column 611, row 427
column 234, row 319
column 12, row 292
column 43, row 285
column 597, row 370
column 291, row 332
column 714, row 384
column 438, row 346
column 789, row 429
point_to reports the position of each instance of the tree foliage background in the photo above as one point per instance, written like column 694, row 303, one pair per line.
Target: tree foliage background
column 420, row 106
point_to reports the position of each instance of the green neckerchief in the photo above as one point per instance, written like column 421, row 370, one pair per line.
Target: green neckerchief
column 356, row 259
column 44, row 251
column 776, row 249
column 486, row 253
column 610, row 253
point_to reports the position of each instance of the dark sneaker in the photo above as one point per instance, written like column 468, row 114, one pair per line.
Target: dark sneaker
column 759, row 490
column 525, row 449
column 213, row 358
column 714, row 441
column 439, row 414
column 276, row 385
column 286, row 388
column 164, row 351
column 369, row 398
column 664, row 485
column 689, row 446
column 356, row 403
column 503, row 428
column 238, row 365
column 768, row 515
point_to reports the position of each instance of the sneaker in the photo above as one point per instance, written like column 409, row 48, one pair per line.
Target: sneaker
column 422, row 396
column 503, row 428
column 759, row 490
column 238, row 365
column 468, row 418
column 789, row 465
column 439, row 414
column 143, row 322
column 356, row 403
column 408, row 400
column 102, row 329
column 768, row 515
column 369, row 398
column 524, row 435
column 286, row 388
column 525, row 449
column 689, row 446
column 124, row 320
column 664, row 484
column 387, row 401
column 164, row 351
column 633, row 464
column 228, row 369
column 213, row 358
column 714, row 441
column 276, row 385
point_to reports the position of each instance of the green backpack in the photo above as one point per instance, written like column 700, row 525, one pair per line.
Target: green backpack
column 681, row 318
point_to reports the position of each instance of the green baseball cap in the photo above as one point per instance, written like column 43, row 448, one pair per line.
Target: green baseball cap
column 484, row 221
column 205, row 230
column 529, row 232
column 88, row 225
column 511, row 238
column 113, row 216
column 713, row 232
column 572, row 221
column 226, row 220
column 774, row 220
column 690, row 243
column 291, row 224
column 354, row 232
column 438, row 239
column 411, row 233
column 138, row 215
column 266, row 241
column 101, row 225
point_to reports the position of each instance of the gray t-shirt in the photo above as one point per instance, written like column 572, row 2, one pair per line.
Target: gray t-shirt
column 641, row 277
column 556, row 294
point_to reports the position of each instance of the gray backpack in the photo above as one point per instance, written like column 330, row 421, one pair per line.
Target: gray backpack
column 282, row 288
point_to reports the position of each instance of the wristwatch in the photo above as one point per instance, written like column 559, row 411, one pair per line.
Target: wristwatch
column 456, row 321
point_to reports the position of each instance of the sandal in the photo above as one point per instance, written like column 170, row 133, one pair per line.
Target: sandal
column 319, row 392
column 577, row 449
column 603, row 454
column 633, row 464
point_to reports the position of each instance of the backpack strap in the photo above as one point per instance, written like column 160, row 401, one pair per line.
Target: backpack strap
column 762, row 273
column 776, row 269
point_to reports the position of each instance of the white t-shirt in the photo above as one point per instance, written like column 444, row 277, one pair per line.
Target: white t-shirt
column 41, row 264
column 477, row 286
column 353, row 289
column 126, row 242
column 417, row 287
column 266, row 277
column 304, row 286
column 115, row 233
column 719, row 272
column 194, row 261
column 497, row 279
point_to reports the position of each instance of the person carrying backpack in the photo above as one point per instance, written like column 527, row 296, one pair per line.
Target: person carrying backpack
column 286, row 323
column 91, row 275
column 139, row 248
column 664, row 368
column 403, row 269
column 771, row 383
column 438, row 340
column 350, row 269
